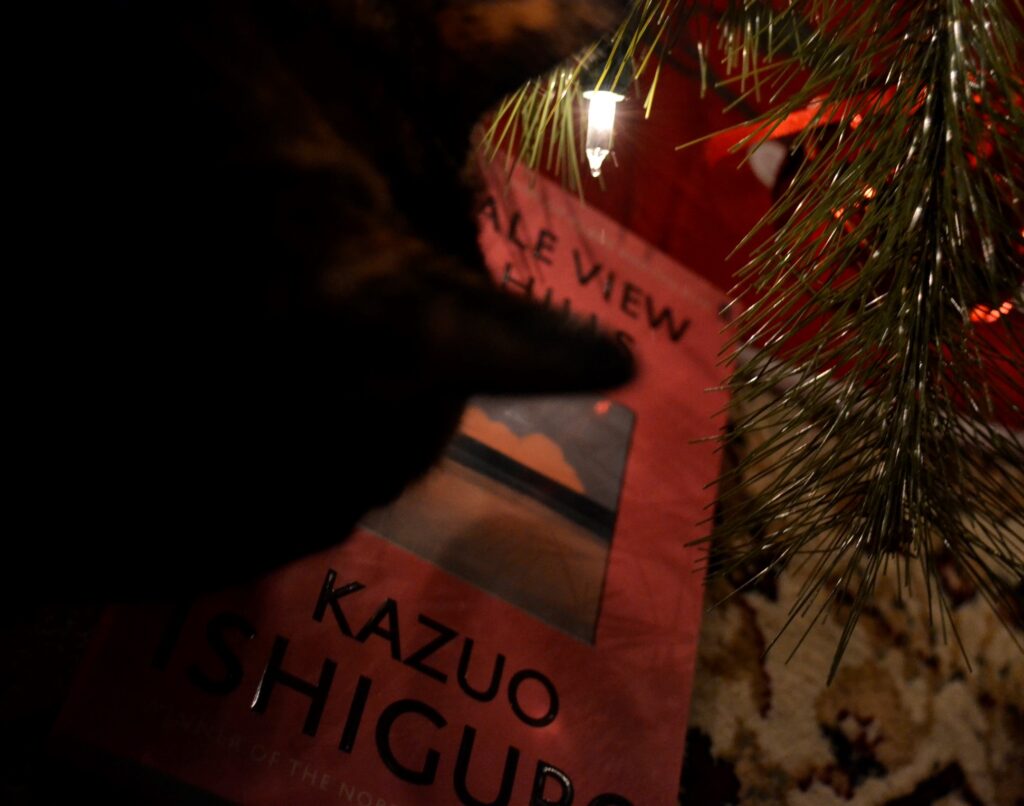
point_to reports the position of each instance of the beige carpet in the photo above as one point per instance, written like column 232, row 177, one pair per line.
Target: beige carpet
column 905, row 721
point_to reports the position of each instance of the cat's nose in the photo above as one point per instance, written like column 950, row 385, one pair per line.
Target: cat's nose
column 578, row 359
column 509, row 345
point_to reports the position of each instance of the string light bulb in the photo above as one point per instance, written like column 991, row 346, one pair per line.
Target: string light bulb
column 600, row 126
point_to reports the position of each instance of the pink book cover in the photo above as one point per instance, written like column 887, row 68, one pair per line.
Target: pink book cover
column 520, row 627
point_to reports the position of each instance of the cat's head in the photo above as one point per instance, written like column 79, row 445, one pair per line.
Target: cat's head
column 285, row 309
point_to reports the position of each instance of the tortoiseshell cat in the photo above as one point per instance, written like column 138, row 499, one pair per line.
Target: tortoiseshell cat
column 266, row 306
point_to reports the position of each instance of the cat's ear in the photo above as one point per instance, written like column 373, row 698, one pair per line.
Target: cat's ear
column 489, row 341
column 499, row 44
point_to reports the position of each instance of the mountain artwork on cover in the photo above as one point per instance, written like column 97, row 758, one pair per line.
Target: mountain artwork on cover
column 523, row 504
column 518, row 628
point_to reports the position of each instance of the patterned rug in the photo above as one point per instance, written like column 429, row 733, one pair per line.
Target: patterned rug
column 909, row 719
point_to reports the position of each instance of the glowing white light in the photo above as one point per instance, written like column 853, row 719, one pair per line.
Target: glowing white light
column 600, row 126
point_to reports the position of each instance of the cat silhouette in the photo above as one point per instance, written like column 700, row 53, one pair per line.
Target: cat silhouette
column 257, row 305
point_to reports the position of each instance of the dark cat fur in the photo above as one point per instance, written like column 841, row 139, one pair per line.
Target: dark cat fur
column 258, row 305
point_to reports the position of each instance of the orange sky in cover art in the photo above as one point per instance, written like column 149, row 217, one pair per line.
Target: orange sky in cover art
column 536, row 451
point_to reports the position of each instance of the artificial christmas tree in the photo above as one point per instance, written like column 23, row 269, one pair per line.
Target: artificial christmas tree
column 878, row 339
